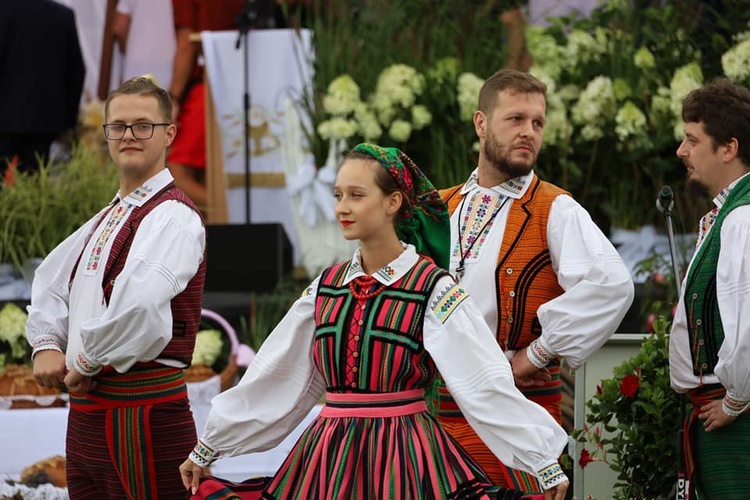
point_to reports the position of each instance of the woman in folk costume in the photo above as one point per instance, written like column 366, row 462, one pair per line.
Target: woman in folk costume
column 371, row 335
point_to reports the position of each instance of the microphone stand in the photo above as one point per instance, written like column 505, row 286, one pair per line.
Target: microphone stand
column 246, row 19
column 665, row 203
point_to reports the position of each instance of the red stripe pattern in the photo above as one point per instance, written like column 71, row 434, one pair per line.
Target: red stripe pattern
column 148, row 432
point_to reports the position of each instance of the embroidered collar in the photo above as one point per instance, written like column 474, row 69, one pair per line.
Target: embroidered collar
column 387, row 274
column 141, row 194
column 721, row 198
column 512, row 188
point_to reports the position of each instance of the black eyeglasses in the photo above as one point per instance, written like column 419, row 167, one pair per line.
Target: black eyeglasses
column 141, row 130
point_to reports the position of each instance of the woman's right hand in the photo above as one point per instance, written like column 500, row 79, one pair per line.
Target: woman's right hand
column 191, row 474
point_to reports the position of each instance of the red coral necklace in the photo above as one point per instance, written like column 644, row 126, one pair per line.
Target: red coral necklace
column 365, row 283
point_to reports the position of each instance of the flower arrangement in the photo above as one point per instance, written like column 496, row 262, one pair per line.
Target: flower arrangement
column 394, row 108
column 633, row 421
column 208, row 347
column 616, row 80
column 615, row 85
column 14, row 349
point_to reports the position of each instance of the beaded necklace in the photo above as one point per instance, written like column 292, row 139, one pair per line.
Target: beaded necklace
column 463, row 253
column 365, row 283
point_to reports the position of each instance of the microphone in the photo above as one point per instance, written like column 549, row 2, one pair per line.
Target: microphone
column 665, row 200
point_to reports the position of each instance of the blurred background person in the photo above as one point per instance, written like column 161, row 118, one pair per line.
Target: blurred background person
column 144, row 32
column 187, row 156
column 41, row 80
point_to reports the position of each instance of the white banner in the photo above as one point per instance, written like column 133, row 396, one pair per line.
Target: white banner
column 279, row 67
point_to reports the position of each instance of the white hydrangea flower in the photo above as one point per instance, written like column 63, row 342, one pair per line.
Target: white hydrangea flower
column 630, row 121
column 685, row 79
column 544, row 50
column 208, row 344
column 643, row 58
column 12, row 323
column 595, row 106
column 445, row 70
column 398, row 84
column 400, row 130
column 591, row 132
column 569, row 92
column 736, row 62
column 558, row 130
column 622, row 89
column 367, row 123
column 582, row 48
column 342, row 96
column 420, row 116
column 468, row 87
column 541, row 74
column 337, row 128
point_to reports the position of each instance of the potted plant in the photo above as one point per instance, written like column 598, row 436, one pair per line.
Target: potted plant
column 633, row 421
column 40, row 210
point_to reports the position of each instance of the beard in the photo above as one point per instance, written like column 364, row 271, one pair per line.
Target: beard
column 498, row 156
column 694, row 186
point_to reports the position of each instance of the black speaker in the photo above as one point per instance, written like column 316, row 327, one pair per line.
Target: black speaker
column 246, row 257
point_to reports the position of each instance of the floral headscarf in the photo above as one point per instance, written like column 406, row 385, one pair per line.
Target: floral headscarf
column 427, row 226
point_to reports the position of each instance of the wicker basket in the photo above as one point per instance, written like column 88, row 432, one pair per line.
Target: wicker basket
column 240, row 355
column 18, row 389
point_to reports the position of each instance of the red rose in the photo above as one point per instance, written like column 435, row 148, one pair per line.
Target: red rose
column 585, row 459
column 629, row 385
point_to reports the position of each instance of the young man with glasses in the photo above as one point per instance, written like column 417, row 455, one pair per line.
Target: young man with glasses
column 114, row 313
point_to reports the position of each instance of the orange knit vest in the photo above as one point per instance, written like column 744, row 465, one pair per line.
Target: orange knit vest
column 524, row 276
column 524, row 280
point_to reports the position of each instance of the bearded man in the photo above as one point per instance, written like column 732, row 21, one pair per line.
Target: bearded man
column 549, row 283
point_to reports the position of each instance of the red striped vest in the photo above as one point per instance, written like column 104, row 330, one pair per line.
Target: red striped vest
column 186, row 307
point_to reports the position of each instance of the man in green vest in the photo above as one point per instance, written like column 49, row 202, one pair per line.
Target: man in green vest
column 709, row 352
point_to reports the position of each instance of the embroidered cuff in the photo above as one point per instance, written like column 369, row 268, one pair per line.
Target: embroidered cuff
column 202, row 455
column 538, row 354
column 733, row 407
column 551, row 476
column 85, row 366
column 45, row 342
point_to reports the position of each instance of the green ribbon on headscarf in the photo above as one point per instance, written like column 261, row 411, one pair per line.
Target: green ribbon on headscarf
column 427, row 227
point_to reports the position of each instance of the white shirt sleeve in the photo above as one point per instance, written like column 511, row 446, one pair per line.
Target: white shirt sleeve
column 519, row 432
column 50, row 294
column 733, row 294
column 164, row 256
column 278, row 390
column 598, row 286
column 126, row 7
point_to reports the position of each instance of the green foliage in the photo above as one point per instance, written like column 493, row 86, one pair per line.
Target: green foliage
column 361, row 39
column 616, row 83
column 637, row 436
column 40, row 210
column 267, row 309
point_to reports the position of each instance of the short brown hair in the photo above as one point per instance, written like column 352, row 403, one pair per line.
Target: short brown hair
column 508, row 79
column 143, row 85
column 724, row 109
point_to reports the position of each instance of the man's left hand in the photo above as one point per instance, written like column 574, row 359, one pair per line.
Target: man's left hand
column 75, row 382
column 713, row 416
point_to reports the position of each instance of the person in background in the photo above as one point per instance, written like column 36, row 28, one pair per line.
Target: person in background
column 41, row 80
column 139, row 26
column 114, row 312
column 371, row 335
column 709, row 345
column 546, row 280
column 187, row 156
